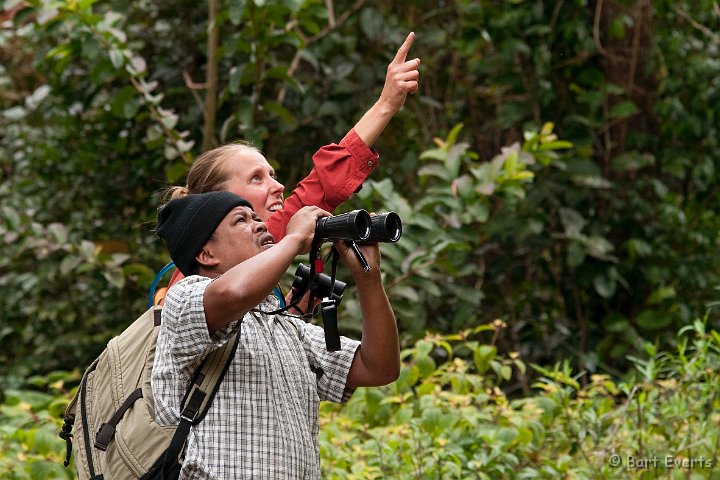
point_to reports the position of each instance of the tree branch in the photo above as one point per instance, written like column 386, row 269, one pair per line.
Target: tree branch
column 596, row 36
column 194, row 87
column 333, row 24
column 210, row 110
column 714, row 37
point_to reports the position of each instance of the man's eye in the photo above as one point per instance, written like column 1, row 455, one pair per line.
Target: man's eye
column 240, row 220
column 255, row 179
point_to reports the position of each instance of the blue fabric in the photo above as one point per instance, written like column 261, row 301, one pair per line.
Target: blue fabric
column 279, row 295
column 158, row 277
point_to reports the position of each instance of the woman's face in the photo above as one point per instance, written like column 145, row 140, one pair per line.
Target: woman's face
column 252, row 177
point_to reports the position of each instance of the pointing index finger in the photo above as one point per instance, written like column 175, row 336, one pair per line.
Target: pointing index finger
column 401, row 54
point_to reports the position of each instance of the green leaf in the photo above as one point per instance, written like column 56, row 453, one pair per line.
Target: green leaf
column 435, row 171
column 116, row 58
column 599, row 247
column 372, row 23
column 281, row 112
column 426, row 365
column 555, row 145
column 236, row 10
column 653, row 319
column 12, row 219
column 506, row 435
column 435, row 154
column 660, row 295
column 36, row 400
column 115, row 278
column 405, row 292
column 44, row 442
column 235, row 78
column 572, row 221
column 605, row 285
column 124, row 103
column 623, row 109
column 632, row 161
column 453, row 135
column 175, row 171
column 15, row 113
column 44, row 470
column 423, row 347
column 482, row 356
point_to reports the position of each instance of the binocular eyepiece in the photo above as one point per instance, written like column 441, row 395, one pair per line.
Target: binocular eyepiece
column 359, row 226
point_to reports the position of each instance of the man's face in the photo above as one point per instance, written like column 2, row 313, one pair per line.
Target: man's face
column 252, row 177
column 239, row 236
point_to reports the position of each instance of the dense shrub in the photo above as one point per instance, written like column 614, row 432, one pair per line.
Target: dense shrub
column 612, row 242
column 448, row 417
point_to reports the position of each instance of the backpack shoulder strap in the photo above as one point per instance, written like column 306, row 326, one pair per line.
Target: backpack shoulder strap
column 200, row 395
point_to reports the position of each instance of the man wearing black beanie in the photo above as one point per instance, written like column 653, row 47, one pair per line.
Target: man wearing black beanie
column 187, row 224
column 263, row 422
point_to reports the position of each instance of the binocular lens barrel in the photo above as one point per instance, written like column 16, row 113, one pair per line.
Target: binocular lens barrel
column 386, row 227
column 355, row 225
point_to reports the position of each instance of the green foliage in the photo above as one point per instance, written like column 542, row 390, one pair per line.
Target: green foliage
column 434, row 274
column 587, row 246
column 449, row 416
column 29, row 423
column 587, row 251
column 446, row 417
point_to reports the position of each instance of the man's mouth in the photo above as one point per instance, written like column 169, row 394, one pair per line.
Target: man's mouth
column 267, row 239
column 275, row 207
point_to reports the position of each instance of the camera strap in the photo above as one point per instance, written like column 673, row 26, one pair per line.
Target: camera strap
column 328, row 306
column 316, row 267
column 328, row 309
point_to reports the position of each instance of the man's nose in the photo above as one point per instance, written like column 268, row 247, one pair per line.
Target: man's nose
column 259, row 226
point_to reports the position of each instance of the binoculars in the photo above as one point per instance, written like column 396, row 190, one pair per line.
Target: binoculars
column 359, row 226
column 320, row 287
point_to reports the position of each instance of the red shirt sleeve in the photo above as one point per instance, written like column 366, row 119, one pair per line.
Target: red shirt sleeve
column 339, row 171
column 175, row 278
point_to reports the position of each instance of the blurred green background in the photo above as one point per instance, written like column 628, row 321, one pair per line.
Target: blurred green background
column 556, row 173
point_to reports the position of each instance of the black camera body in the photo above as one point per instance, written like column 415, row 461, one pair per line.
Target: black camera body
column 320, row 287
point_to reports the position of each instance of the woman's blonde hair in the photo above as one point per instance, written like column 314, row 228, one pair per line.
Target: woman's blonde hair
column 208, row 173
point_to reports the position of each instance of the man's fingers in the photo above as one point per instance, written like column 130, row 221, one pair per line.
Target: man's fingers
column 401, row 54
column 317, row 211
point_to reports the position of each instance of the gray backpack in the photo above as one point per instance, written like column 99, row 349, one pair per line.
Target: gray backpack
column 112, row 416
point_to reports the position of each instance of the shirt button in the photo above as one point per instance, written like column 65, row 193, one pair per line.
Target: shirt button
column 371, row 164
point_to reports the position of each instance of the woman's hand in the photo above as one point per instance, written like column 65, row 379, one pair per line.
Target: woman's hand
column 402, row 78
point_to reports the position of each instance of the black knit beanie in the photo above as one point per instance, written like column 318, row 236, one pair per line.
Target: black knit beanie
column 187, row 223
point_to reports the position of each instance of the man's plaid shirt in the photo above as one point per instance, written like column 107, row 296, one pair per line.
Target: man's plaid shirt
column 263, row 422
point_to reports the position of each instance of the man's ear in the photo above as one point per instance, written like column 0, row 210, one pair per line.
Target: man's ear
column 206, row 258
